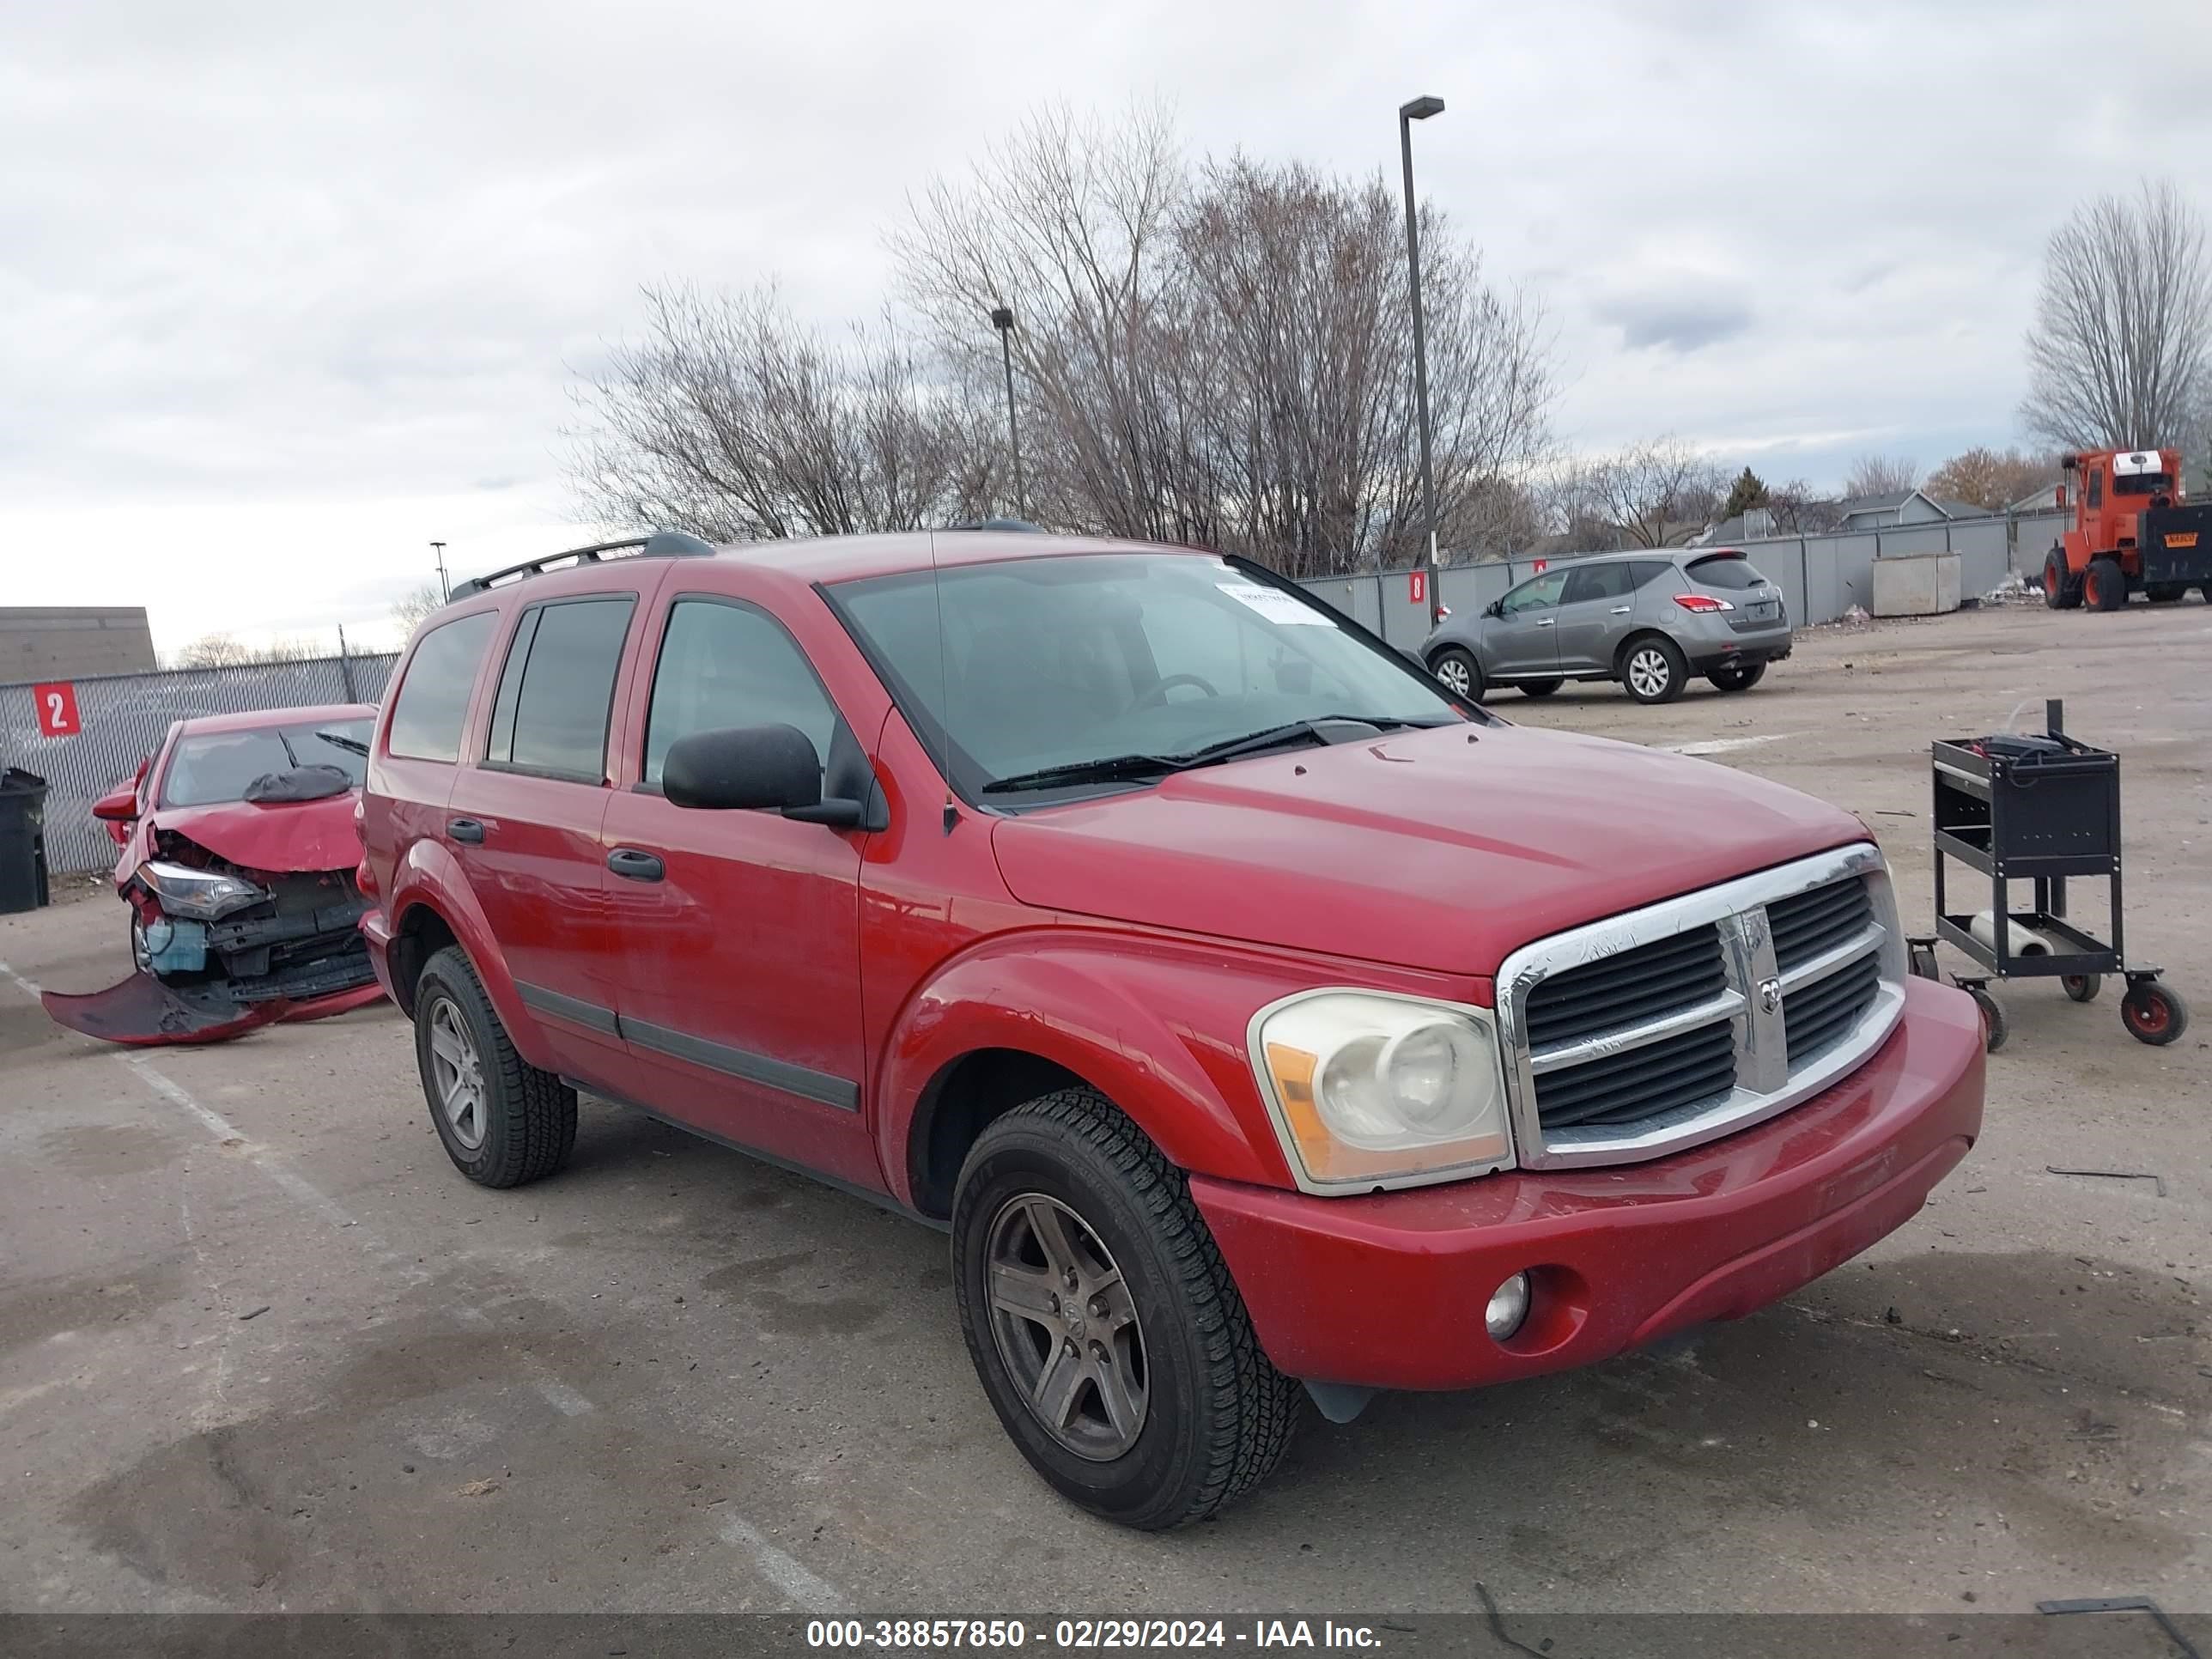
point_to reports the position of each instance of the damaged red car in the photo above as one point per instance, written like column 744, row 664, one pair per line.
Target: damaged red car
column 238, row 851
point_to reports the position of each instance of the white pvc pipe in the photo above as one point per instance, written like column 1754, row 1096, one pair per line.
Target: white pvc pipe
column 2019, row 942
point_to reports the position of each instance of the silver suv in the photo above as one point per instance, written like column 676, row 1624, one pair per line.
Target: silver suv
column 1650, row 620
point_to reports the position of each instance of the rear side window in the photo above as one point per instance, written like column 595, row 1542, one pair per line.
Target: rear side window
column 432, row 704
column 557, row 688
column 2096, row 486
column 724, row 665
column 1731, row 571
column 1613, row 581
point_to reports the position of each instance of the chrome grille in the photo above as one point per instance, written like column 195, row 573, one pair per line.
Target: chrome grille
column 1809, row 923
column 1827, row 1009
column 1624, row 1088
column 1636, row 984
column 1674, row 1024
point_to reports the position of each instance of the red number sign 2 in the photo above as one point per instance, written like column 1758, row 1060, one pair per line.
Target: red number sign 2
column 57, row 709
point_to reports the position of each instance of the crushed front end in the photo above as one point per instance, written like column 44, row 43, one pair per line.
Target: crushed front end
column 219, row 949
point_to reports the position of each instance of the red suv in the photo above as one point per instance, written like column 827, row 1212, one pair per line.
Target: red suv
column 1253, row 1012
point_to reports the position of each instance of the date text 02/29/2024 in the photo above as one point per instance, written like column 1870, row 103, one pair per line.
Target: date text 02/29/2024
column 1084, row 1634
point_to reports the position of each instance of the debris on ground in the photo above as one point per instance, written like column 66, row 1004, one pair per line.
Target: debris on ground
column 2015, row 589
column 1855, row 616
column 2159, row 1181
column 256, row 1313
column 477, row 1489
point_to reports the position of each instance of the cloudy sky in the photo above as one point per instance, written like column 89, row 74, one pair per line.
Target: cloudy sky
column 287, row 291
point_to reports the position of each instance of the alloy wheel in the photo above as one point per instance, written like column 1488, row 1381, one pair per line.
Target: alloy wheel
column 1066, row 1327
column 1649, row 671
column 1452, row 673
column 457, row 1074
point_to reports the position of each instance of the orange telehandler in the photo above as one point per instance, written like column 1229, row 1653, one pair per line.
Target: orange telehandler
column 2132, row 529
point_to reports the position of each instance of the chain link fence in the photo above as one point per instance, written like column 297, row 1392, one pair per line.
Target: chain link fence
column 122, row 719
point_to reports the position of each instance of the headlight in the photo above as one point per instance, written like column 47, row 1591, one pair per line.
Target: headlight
column 1370, row 1089
column 202, row 894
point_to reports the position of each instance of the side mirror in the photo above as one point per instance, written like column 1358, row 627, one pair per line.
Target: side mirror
column 2061, row 501
column 1495, row 608
column 118, row 806
column 756, row 769
column 743, row 769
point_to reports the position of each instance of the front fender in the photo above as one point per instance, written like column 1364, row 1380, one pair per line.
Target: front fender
column 1156, row 1025
column 430, row 877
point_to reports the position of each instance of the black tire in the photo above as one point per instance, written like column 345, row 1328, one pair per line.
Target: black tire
column 1217, row 1415
column 1539, row 688
column 1995, row 1030
column 1452, row 664
column 2154, row 1012
column 2108, row 584
column 2166, row 593
column 2082, row 987
column 1922, row 961
column 528, row 1122
column 1738, row 679
column 1668, row 670
column 2062, row 588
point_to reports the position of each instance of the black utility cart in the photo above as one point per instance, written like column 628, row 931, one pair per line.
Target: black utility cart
column 2044, row 809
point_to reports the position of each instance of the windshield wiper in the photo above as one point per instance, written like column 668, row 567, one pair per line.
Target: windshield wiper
column 339, row 740
column 1116, row 768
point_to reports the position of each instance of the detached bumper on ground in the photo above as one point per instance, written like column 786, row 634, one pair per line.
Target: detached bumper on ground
column 1388, row 1291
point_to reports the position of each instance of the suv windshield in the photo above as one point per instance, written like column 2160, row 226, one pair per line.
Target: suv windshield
column 218, row 765
column 1030, row 668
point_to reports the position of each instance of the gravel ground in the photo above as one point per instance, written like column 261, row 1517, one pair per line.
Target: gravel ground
column 261, row 1348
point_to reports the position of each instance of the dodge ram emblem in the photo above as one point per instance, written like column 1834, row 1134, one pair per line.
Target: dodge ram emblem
column 1769, row 996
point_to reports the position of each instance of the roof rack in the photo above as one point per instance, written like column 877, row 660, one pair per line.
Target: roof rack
column 661, row 544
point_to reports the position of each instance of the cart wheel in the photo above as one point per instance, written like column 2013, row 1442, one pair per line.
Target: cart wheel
column 2083, row 988
column 1923, row 962
column 2153, row 1013
column 1994, row 1028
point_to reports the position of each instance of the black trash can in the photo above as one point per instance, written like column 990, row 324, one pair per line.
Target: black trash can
column 23, row 840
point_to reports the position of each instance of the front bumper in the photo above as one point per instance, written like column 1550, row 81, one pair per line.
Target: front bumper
column 1388, row 1290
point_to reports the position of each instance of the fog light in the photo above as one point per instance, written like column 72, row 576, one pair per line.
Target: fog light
column 1509, row 1306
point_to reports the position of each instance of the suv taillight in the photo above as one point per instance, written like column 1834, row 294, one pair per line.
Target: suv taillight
column 1702, row 602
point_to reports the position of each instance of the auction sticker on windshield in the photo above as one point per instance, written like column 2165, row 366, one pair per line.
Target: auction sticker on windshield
column 1274, row 604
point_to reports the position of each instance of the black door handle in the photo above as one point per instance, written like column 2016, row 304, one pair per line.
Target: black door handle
column 467, row 829
column 636, row 866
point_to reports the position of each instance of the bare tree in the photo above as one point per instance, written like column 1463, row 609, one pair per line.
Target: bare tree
column 409, row 611
column 2120, row 353
column 228, row 651
column 1651, row 494
column 1990, row 480
column 1799, row 510
column 1879, row 475
column 734, row 423
column 1224, row 355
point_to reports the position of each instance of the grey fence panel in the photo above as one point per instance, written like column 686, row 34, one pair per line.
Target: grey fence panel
column 1985, row 550
column 2034, row 535
column 1467, row 587
column 122, row 719
column 1405, row 620
column 1905, row 542
column 1827, row 589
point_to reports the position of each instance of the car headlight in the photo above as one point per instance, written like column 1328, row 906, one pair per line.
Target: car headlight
column 1370, row 1089
column 201, row 895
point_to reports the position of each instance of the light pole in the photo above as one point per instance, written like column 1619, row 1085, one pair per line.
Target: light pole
column 445, row 587
column 1002, row 319
column 1419, row 110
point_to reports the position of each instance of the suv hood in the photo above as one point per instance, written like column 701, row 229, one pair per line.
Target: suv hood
column 1443, row 849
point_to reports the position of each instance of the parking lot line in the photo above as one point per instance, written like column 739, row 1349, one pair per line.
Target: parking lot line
column 784, row 1570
